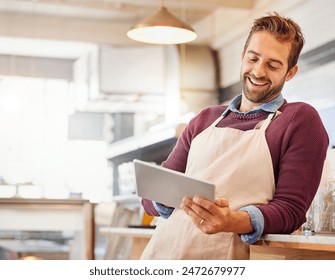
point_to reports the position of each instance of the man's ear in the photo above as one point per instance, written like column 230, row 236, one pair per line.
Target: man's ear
column 290, row 74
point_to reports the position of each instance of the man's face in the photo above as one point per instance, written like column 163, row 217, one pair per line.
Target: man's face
column 265, row 67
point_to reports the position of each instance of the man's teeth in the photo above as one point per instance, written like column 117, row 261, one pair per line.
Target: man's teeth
column 257, row 83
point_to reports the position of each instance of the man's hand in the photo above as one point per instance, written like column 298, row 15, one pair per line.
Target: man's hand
column 213, row 217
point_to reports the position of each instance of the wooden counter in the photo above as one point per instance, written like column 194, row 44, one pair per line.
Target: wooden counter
column 270, row 247
column 294, row 246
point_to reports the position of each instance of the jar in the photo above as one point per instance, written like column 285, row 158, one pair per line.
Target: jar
column 320, row 217
column 323, row 208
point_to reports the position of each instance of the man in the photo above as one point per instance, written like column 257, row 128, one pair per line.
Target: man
column 264, row 155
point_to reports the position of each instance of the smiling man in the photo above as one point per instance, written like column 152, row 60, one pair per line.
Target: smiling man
column 264, row 155
column 265, row 69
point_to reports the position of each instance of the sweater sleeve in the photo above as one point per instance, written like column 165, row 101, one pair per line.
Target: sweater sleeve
column 303, row 151
column 149, row 207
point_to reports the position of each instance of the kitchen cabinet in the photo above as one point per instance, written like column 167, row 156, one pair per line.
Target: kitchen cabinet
column 120, row 71
column 132, row 70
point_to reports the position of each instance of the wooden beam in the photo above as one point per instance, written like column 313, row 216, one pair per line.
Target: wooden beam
column 33, row 26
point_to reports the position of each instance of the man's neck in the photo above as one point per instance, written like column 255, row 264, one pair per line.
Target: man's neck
column 247, row 105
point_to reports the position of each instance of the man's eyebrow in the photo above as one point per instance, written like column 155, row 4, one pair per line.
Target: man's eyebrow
column 271, row 59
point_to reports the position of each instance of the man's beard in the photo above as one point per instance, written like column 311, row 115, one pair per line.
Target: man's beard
column 263, row 96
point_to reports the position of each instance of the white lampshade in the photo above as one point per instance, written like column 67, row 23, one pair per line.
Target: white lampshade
column 162, row 28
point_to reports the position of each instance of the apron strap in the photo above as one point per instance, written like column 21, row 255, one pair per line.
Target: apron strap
column 217, row 121
column 263, row 125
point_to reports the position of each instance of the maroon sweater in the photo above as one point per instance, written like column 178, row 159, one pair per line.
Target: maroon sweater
column 298, row 143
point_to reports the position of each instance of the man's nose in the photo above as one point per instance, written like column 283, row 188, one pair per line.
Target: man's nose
column 259, row 70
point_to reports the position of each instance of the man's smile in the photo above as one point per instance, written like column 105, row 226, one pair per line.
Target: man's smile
column 257, row 83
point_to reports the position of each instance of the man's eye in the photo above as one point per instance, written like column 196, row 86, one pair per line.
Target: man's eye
column 272, row 67
column 252, row 59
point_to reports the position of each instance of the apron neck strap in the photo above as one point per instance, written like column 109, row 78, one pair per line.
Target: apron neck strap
column 267, row 122
column 217, row 121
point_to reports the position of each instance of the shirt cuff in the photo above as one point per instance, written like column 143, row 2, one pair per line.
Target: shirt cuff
column 165, row 212
column 257, row 221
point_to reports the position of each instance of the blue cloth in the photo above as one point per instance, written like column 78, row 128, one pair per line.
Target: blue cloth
column 270, row 107
column 256, row 216
column 257, row 221
column 163, row 211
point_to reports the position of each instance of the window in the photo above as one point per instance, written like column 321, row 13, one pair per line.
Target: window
column 34, row 148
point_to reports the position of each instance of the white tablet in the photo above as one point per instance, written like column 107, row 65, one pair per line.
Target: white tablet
column 167, row 186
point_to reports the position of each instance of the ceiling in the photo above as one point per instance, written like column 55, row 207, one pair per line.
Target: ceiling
column 120, row 10
column 68, row 29
column 85, row 22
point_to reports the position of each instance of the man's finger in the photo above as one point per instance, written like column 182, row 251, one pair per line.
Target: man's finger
column 222, row 202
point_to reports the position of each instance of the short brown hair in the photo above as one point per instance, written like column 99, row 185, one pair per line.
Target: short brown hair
column 284, row 30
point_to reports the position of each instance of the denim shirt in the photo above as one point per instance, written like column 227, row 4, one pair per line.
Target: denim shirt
column 270, row 107
column 256, row 216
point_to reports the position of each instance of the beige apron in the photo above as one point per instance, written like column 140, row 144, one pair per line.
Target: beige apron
column 240, row 165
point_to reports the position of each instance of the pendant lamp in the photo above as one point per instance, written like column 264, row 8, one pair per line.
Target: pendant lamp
column 162, row 28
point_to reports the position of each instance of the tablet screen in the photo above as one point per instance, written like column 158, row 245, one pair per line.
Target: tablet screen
column 167, row 186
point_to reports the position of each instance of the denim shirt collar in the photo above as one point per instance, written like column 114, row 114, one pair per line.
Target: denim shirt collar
column 270, row 107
